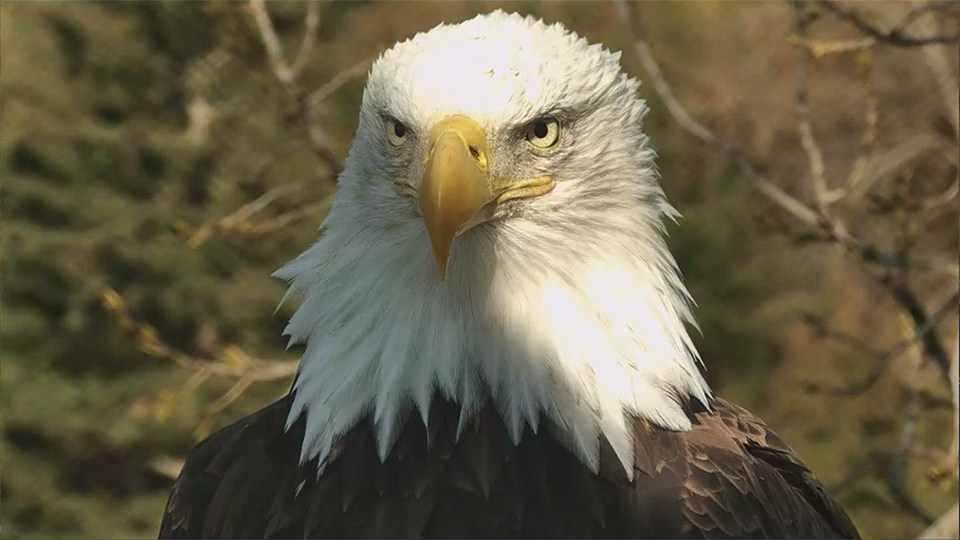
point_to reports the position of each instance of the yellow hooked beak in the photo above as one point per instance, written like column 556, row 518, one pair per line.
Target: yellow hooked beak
column 457, row 191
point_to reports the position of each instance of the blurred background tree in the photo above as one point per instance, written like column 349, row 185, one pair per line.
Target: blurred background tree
column 160, row 160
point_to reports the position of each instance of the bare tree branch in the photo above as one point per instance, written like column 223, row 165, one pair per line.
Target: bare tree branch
column 780, row 197
column 337, row 82
column 863, row 468
column 894, row 462
column 922, row 9
column 832, row 231
column 890, row 270
column 821, row 329
column 891, row 462
column 300, row 113
column 867, row 141
column 941, row 69
column 285, row 219
column 247, row 211
column 894, row 36
column 287, row 74
column 809, row 143
column 271, row 42
column 825, row 48
column 952, row 459
column 894, row 159
column 237, row 219
column 943, row 198
column 229, row 396
column 883, row 359
column 919, row 336
column 167, row 466
column 946, row 526
column 879, row 264
column 924, row 323
column 867, row 170
column 310, row 26
column 232, row 362
column 897, row 481
column 871, row 118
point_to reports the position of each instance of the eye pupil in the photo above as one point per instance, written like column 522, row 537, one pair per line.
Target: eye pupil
column 540, row 130
column 399, row 129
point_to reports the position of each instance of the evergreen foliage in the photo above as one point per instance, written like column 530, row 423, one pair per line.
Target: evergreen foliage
column 131, row 130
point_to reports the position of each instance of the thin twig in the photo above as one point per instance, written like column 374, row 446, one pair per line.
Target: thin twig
column 804, row 128
column 167, row 466
column 195, row 381
column 271, row 42
column 894, row 36
column 310, row 26
column 232, row 362
column 863, row 468
column 893, row 160
column 897, row 481
column 245, row 212
column 953, row 455
column 236, row 220
column 300, row 110
column 919, row 336
column 825, row 48
column 923, row 9
column 821, row 329
column 229, row 396
column 943, row 198
column 946, row 526
column 867, row 140
column 907, row 299
column 285, row 219
column 942, row 69
column 338, row 81
column 287, row 74
column 878, row 263
column 831, row 230
column 698, row 130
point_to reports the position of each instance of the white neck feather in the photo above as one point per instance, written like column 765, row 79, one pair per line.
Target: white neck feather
column 585, row 326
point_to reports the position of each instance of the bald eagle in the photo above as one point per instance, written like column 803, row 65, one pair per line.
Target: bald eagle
column 495, row 332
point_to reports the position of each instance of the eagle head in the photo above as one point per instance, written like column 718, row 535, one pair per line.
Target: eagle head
column 496, row 239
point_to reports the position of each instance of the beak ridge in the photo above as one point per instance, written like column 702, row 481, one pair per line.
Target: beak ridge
column 456, row 184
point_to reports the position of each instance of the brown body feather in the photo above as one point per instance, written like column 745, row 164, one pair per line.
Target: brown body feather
column 729, row 477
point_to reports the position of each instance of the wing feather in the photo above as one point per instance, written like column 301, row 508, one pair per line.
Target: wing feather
column 728, row 477
column 740, row 480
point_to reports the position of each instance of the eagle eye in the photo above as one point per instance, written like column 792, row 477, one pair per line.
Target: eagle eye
column 544, row 133
column 396, row 132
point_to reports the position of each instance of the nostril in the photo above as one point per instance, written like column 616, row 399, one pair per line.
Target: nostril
column 475, row 152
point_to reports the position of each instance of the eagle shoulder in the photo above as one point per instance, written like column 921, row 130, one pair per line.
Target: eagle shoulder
column 736, row 478
column 231, row 479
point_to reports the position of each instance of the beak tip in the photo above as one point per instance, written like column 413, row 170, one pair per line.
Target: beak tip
column 455, row 185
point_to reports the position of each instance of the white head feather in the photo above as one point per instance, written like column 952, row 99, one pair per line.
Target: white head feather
column 570, row 305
